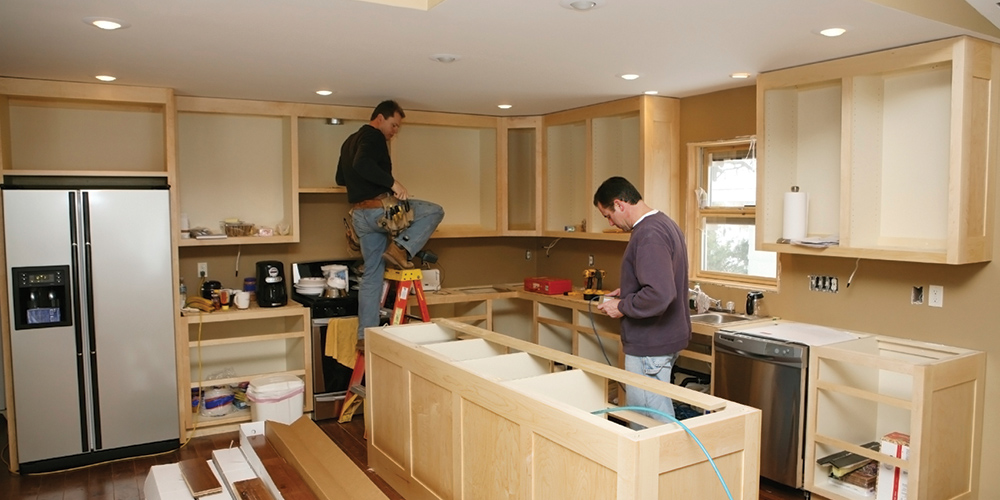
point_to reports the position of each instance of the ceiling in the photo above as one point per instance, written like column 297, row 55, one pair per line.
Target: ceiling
column 536, row 55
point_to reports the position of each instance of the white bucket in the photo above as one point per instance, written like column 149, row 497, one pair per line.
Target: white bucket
column 276, row 397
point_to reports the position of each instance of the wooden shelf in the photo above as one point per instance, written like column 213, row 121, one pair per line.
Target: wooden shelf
column 242, row 240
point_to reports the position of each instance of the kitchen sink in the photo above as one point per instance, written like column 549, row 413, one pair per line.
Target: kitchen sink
column 718, row 318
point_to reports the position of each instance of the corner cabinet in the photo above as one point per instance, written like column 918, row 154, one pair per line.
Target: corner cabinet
column 244, row 344
column 896, row 150
column 863, row 389
column 636, row 138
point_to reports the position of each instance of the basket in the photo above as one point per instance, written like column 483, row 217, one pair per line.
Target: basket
column 237, row 229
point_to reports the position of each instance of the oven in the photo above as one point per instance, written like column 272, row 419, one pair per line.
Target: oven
column 330, row 378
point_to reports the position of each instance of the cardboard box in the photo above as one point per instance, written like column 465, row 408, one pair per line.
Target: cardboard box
column 547, row 285
column 330, row 474
column 892, row 480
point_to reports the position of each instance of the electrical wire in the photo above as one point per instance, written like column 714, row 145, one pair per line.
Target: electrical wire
column 550, row 245
column 851, row 277
column 678, row 422
column 239, row 251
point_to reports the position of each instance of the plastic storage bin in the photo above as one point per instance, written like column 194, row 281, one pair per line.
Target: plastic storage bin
column 276, row 397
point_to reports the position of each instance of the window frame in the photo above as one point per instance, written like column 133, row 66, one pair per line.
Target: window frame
column 697, row 171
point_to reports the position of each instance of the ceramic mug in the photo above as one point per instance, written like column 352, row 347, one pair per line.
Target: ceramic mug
column 242, row 299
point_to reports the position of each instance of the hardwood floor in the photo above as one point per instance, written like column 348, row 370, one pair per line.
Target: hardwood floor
column 124, row 480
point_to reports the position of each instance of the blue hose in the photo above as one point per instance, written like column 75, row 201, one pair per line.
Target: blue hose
column 678, row 422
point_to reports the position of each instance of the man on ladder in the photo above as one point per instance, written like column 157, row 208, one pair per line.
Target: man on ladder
column 384, row 223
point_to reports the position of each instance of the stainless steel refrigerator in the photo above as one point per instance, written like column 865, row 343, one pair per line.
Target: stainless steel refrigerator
column 92, row 321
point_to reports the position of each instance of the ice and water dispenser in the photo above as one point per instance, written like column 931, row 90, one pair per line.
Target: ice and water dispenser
column 41, row 297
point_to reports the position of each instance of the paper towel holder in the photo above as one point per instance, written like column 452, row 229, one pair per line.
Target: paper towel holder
column 795, row 189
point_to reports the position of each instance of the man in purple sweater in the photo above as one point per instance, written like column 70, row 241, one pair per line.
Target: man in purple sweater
column 652, row 300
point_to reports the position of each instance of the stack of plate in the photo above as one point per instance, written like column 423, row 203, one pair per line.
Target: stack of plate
column 310, row 286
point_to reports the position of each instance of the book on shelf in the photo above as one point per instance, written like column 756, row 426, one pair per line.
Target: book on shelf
column 861, row 481
column 845, row 462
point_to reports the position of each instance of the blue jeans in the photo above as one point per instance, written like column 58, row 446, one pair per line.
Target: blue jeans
column 374, row 239
column 658, row 367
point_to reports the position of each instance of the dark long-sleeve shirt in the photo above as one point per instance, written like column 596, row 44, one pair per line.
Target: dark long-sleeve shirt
column 365, row 166
column 656, row 321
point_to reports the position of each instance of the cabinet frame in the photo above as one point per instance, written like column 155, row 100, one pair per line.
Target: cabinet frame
column 658, row 161
column 965, row 232
column 886, row 384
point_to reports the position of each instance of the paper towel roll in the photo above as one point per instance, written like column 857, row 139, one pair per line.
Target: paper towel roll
column 796, row 215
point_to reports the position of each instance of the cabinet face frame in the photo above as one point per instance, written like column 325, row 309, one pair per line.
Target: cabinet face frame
column 847, row 174
column 582, row 146
column 519, row 171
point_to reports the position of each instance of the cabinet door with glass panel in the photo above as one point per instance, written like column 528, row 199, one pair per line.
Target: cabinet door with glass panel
column 722, row 216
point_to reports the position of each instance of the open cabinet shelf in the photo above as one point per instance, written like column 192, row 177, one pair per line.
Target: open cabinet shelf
column 895, row 150
column 864, row 389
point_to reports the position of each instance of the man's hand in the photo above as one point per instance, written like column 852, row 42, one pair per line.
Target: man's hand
column 399, row 191
column 610, row 307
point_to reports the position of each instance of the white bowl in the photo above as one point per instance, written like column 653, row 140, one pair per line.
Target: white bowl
column 311, row 281
column 309, row 291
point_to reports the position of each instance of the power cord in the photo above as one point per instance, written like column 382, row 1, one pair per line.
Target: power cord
column 678, row 422
column 593, row 325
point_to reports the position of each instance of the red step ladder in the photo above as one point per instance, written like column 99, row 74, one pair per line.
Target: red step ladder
column 405, row 279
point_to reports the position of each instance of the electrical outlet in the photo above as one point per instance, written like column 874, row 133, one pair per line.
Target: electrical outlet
column 527, row 255
column 917, row 295
column 590, row 260
column 935, row 296
column 828, row 284
column 203, row 269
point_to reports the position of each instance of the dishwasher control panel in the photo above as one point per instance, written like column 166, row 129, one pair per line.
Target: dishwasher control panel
column 760, row 346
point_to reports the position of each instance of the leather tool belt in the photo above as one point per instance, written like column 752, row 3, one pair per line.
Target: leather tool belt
column 375, row 202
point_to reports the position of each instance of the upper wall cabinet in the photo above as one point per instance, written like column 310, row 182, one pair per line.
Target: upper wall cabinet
column 896, row 151
column 521, row 186
column 451, row 160
column 636, row 138
column 62, row 128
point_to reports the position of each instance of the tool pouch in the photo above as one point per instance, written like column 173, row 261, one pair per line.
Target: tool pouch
column 352, row 237
column 398, row 215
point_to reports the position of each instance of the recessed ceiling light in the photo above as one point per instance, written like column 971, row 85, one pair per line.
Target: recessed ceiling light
column 740, row 76
column 445, row 58
column 504, row 106
column 106, row 23
column 630, row 76
column 651, row 92
column 324, row 92
column 832, row 32
column 105, row 78
column 581, row 5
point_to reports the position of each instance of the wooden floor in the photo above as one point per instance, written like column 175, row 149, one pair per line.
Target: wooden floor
column 124, row 480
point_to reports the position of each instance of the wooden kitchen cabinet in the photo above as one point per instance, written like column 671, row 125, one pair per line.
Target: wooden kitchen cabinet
column 636, row 138
column 63, row 128
column 521, row 184
column 897, row 151
column 455, row 411
column 252, row 343
column 863, row 389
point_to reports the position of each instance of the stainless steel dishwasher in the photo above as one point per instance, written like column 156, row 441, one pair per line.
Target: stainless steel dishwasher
column 770, row 375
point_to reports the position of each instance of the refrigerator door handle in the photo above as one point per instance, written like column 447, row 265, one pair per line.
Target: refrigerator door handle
column 77, row 325
column 91, row 331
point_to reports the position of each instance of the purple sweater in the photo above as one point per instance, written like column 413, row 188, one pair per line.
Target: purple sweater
column 654, row 284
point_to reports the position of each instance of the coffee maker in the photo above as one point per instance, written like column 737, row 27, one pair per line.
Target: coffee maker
column 271, row 291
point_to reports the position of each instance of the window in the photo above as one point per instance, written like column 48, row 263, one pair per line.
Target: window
column 722, row 232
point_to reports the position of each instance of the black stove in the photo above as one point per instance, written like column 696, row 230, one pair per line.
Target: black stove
column 327, row 307
column 330, row 378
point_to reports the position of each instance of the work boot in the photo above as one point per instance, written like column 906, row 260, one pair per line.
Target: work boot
column 396, row 255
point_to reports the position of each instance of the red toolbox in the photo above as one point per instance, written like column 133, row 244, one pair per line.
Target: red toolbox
column 547, row 285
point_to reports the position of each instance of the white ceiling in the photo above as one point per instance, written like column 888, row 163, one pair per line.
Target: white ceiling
column 533, row 54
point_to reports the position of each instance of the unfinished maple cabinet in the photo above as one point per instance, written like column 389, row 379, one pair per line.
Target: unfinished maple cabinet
column 241, row 345
column 521, row 183
column 458, row 412
column 863, row 389
column 636, row 138
column 896, row 150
